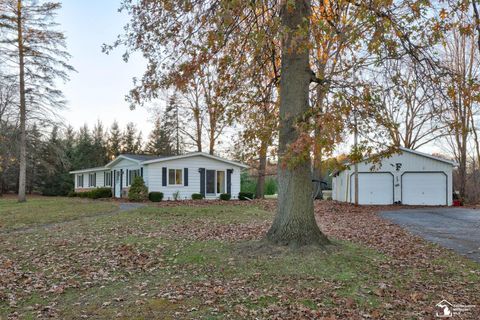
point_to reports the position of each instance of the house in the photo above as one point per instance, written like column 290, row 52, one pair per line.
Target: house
column 180, row 175
column 408, row 177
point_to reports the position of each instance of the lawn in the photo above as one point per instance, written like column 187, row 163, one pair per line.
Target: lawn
column 40, row 211
column 206, row 261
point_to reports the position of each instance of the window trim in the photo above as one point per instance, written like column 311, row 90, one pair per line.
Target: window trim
column 224, row 181
column 108, row 178
column 129, row 177
column 216, row 178
column 181, row 176
column 94, row 182
column 80, row 180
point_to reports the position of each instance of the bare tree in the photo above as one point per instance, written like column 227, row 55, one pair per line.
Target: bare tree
column 410, row 105
column 461, row 103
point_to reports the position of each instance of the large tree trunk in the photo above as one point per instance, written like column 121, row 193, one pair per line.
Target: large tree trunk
column 294, row 223
column 260, row 192
column 23, row 130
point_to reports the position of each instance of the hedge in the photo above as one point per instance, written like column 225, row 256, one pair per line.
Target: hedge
column 197, row 196
column 245, row 195
column 225, row 196
column 97, row 193
column 155, row 196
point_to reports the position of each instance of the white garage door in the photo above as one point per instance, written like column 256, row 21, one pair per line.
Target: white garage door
column 425, row 188
column 373, row 188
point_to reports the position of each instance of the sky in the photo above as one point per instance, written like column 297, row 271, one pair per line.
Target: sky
column 97, row 89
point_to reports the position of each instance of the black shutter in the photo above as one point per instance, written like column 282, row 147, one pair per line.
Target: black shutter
column 229, row 181
column 141, row 172
column 104, row 179
column 95, row 179
column 185, row 177
column 164, row 176
column 202, row 181
column 121, row 182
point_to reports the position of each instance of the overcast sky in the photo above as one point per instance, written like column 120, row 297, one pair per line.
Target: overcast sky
column 98, row 88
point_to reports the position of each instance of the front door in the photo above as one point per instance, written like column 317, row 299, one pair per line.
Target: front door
column 211, row 182
column 118, row 186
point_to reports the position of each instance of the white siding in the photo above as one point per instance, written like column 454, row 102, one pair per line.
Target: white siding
column 99, row 180
column 125, row 164
column 409, row 163
column 193, row 164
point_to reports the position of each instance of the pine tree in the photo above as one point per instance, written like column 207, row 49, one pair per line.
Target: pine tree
column 54, row 177
column 83, row 155
column 69, row 145
column 99, row 144
column 114, row 141
column 130, row 140
column 33, row 47
column 139, row 143
column 34, row 144
column 173, row 124
column 159, row 142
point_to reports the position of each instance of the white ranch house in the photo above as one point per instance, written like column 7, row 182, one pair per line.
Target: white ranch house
column 408, row 177
column 186, row 174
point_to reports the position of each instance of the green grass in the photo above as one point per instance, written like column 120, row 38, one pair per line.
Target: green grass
column 148, row 263
column 38, row 211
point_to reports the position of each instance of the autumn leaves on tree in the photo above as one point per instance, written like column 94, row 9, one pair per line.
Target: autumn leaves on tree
column 297, row 77
column 301, row 67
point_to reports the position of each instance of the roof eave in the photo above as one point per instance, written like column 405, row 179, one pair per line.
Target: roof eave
column 111, row 163
column 238, row 164
column 88, row 170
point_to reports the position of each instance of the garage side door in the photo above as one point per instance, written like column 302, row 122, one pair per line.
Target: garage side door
column 373, row 188
column 425, row 188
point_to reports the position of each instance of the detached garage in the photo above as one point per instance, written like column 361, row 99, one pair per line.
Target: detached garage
column 408, row 177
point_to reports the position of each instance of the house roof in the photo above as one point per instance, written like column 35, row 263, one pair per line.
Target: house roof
column 147, row 159
column 193, row 154
column 138, row 158
column 403, row 149
column 426, row 155
column 89, row 170
column 141, row 157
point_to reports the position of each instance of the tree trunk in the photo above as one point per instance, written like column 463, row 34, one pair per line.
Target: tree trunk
column 260, row 192
column 318, row 147
column 294, row 223
column 211, row 140
column 23, row 130
column 198, row 124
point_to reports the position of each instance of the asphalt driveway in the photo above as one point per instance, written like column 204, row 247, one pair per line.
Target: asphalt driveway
column 453, row 228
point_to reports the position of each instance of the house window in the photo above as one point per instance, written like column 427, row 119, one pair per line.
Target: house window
column 80, row 181
column 175, row 177
column 92, row 179
column 215, row 181
column 108, row 179
column 132, row 174
column 220, row 181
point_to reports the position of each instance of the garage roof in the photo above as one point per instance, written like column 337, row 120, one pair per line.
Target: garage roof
column 403, row 149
